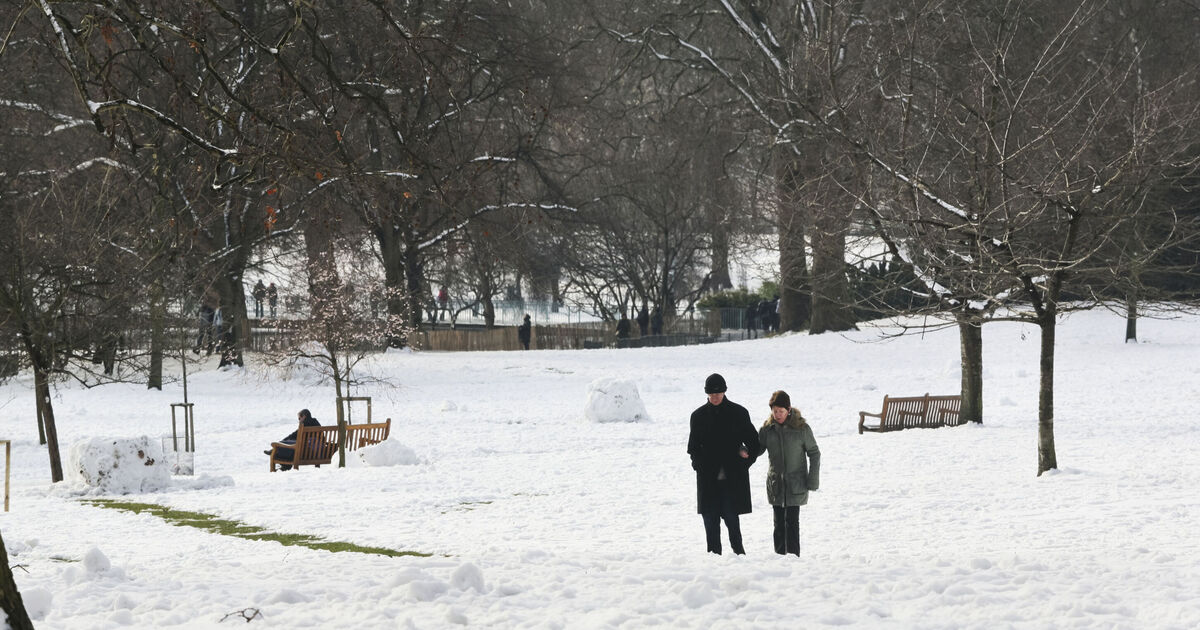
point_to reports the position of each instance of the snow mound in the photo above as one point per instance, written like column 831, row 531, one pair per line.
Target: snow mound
column 385, row 453
column 37, row 602
column 615, row 400
column 698, row 594
column 468, row 576
column 119, row 465
column 95, row 561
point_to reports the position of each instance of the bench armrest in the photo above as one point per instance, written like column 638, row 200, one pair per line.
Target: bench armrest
column 282, row 445
column 862, row 418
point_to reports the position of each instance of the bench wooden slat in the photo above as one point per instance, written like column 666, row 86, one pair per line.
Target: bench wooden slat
column 317, row 445
column 913, row 412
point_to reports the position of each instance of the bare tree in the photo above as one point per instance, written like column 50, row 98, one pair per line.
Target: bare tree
column 10, row 598
column 76, row 253
column 795, row 68
column 1012, row 175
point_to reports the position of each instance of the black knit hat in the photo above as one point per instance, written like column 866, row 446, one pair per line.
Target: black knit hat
column 714, row 384
column 781, row 399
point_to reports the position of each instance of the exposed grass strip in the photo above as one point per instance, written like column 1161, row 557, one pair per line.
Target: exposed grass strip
column 226, row 527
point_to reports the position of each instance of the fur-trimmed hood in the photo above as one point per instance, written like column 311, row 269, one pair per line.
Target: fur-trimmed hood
column 793, row 421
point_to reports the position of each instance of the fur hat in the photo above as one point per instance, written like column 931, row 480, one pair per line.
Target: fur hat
column 781, row 399
column 714, row 384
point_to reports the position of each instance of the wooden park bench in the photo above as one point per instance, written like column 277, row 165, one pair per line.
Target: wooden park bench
column 317, row 445
column 913, row 412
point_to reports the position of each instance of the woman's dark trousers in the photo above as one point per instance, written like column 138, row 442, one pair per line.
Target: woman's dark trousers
column 728, row 513
column 787, row 529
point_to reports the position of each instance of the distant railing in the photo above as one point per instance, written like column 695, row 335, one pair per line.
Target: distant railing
column 584, row 335
column 268, row 335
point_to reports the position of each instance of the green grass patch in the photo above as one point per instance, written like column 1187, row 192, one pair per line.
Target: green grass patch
column 226, row 527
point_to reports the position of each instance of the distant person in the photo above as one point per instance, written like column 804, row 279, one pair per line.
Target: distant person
column 656, row 321
column 723, row 445
column 643, row 322
column 794, row 471
column 775, row 314
column 764, row 316
column 525, row 331
column 443, row 302
column 272, row 297
column 289, row 454
column 259, row 293
column 624, row 327
column 751, row 317
column 209, row 322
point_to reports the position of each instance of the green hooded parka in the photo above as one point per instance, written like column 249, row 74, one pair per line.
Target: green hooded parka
column 795, row 460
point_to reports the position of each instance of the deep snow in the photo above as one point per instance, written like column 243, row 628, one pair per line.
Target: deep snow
column 539, row 518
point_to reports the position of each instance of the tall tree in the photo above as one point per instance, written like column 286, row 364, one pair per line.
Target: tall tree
column 1012, row 174
column 794, row 66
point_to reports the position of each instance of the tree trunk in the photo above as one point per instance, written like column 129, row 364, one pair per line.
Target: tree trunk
column 486, row 290
column 324, row 283
column 413, row 283
column 341, row 414
column 489, row 312
column 41, row 424
column 719, row 279
column 158, row 316
column 392, row 253
column 10, row 597
column 666, row 290
column 722, row 197
column 831, row 308
column 41, row 388
column 1047, row 459
column 970, row 335
column 234, row 334
column 794, row 300
column 1131, row 316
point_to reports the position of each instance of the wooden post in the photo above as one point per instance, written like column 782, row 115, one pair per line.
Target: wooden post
column 343, row 413
column 189, row 427
column 344, row 400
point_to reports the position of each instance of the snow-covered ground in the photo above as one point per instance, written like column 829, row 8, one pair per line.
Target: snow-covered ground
column 537, row 518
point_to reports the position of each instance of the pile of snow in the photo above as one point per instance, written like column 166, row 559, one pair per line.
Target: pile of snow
column 385, row 453
column 615, row 400
column 119, row 465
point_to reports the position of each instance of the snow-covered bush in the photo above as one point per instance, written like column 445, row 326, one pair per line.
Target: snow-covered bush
column 385, row 453
column 119, row 465
column 615, row 400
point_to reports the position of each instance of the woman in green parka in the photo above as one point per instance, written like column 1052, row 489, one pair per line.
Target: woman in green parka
column 794, row 471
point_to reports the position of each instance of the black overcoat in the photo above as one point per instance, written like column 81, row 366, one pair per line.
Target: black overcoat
column 718, row 433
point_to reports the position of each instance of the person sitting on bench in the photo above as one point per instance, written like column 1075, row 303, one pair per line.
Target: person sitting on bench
column 287, row 454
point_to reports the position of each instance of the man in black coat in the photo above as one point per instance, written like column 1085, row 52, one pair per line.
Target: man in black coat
column 306, row 419
column 723, row 444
